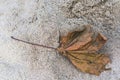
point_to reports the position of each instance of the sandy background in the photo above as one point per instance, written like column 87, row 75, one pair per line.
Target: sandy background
column 40, row 21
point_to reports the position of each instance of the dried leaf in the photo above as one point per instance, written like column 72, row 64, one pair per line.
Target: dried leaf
column 81, row 48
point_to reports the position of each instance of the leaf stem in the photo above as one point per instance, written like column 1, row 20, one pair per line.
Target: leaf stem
column 33, row 43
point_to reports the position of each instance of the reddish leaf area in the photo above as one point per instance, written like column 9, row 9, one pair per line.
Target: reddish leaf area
column 81, row 48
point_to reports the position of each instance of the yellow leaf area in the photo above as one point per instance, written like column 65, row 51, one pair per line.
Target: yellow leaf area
column 81, row 48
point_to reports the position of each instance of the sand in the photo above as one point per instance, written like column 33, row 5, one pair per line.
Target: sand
column 40, row 21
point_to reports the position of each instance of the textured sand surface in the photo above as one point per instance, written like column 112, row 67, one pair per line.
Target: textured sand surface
column 40, row 21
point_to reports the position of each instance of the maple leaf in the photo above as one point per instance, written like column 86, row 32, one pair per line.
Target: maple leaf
column 81, row 48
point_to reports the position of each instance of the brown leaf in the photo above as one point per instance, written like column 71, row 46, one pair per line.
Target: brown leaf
column 81, row 48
